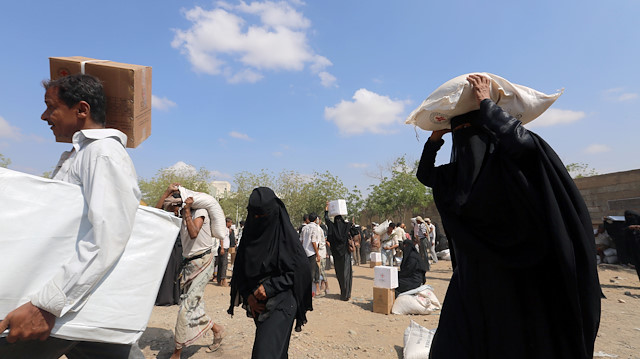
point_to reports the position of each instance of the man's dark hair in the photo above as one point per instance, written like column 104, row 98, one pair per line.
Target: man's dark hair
column 78, row 87
column 242, row 223
column 312, row 217
column 305, row 217
column 228, row 220
column 392, row 225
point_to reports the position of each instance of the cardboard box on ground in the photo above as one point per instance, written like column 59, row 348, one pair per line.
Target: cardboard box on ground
column 127, row 89
column 383, row 300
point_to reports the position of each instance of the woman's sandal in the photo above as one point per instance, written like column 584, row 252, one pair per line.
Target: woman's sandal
column 217, row 341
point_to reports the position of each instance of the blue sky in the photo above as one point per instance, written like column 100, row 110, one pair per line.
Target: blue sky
column 325, row 85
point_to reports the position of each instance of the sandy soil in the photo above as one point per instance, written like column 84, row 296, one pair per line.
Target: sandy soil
column 338, row 329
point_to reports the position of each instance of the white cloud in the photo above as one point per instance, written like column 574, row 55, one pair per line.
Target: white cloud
column 327, row 79
column 241, row 136
column 161, row 103
column 368, row 112
column 239, row 41
column 618, row 94
column 8, row 131
column 597, row 148
column 555, row 116
column 183, row 168
column 218, row 174
column 277, row 154
column 358, row 165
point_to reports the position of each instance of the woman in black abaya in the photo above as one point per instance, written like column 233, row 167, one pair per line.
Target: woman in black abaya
column 338, row 237
column 632, row 238
column 412, row 268
column 525, row 284
column 271, row 276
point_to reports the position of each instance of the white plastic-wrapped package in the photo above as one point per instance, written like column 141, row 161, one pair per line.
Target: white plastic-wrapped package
column 337, row 208
column 39, row 233
column 417, row 341
column 455, row 97
column 216, row 215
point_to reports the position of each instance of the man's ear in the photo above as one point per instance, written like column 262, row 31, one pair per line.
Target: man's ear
column 84, row 110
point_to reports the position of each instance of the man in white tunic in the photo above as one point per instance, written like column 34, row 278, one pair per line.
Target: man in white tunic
column 100, row 165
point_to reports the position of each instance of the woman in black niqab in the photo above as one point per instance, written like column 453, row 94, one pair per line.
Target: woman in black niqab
column 525, row 284
column 632, row 237
column 338, row 237
column 271, row 275
column 412, row 268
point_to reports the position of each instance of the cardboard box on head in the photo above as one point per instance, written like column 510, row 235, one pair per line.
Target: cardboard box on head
column 127, row 89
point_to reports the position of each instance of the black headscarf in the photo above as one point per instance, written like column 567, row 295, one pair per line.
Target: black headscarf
column 338, row 234
column 411, row 259
column 270, row 246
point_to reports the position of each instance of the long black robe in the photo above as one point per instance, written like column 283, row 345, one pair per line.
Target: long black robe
column 632, row 238
column 270, row 254
column 169, row 291
column 412, row 268
column 525, row 283
column 338, row 238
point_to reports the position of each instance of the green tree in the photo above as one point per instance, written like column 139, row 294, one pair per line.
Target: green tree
column 236, row 203
column 579, row 170
column 4, row 161
column 153, row 188
column 400, row 195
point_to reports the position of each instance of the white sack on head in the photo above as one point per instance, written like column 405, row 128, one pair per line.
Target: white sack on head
column 216, row 215
column 455, row 97
column 118, row 308
column 382, row 227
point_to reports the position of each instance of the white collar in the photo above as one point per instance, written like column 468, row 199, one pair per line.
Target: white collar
column 97, row 134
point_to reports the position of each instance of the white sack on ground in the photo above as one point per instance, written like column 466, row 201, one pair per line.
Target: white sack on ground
column 39, row 234
column 455, row 97
column 417, row 341
column 216, row 215
column 444, row 255
column 420, row 301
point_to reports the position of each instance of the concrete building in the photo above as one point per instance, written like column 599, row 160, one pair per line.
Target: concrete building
column 220, row 189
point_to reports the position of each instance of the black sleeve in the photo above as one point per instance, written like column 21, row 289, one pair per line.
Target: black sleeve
column 513, row 138
column 278, row 284
column 232, row 239
column 426, row 170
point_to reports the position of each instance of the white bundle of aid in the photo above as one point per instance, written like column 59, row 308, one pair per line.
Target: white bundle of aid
column 417, row 341
column 337, row 208
column 218, row 221
column 382, row 227
column 421, row 301
column 455, row 97
column 40, row 233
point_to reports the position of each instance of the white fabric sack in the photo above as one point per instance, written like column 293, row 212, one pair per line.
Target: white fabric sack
column 611, row 259
column 455, row 97
column 216, row 215
column 443, row 254
column 382, row 227
column 417, row 341
column 610, row 252
column 421, row 301
column 39, row 234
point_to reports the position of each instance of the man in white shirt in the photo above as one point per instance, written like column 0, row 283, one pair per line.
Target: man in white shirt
column 310, row 236
column 432, row 239
column 389, row 242
column 100, row 165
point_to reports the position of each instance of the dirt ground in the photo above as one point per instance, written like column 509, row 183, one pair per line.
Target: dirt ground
column 338, row 329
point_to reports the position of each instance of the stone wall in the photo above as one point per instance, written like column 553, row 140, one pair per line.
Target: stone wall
column 610, row 194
